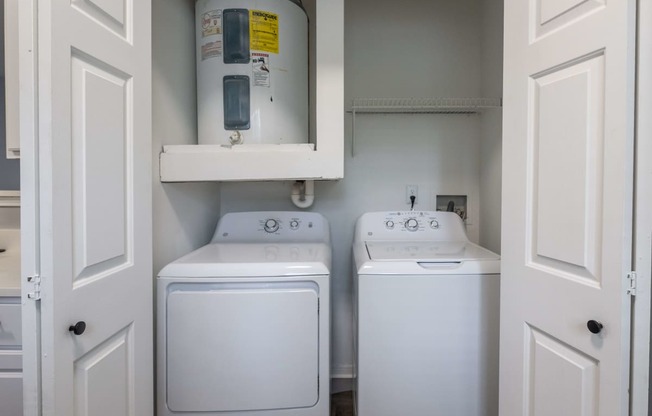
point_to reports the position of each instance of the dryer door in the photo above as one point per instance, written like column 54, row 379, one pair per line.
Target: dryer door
column 242, row 346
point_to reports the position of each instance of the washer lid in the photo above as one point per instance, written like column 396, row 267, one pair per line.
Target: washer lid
column 427, row 251
column 252, row 260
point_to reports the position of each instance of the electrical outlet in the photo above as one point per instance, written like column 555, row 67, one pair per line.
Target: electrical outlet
column 409, row 191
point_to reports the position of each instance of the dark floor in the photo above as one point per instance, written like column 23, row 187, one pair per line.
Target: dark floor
column 342, row 404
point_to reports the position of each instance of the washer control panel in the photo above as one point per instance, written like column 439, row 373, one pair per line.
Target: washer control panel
column 272, row 226
column 411, row 225
column 412, row 221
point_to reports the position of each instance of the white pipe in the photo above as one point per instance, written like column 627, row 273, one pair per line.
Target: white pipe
column 303, row 194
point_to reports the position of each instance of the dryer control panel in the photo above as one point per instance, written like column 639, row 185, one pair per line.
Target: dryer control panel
column 411, row 225
column 272, row 226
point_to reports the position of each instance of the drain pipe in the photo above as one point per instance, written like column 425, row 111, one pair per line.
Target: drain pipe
column 303, row 194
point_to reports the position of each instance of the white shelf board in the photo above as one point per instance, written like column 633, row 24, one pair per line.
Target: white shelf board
column 205, row 163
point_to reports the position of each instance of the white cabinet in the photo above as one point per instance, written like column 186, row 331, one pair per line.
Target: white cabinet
column 11, row 378
column 196, row 163
column 11, row 78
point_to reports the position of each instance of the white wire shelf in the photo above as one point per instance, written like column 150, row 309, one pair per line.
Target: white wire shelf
column 423, row 105
column 420, row 106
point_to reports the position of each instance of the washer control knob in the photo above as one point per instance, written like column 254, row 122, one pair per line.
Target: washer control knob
column 294, row 224
column 389, row 224
column 412, row 224
column 434, row 224
column 271, row 225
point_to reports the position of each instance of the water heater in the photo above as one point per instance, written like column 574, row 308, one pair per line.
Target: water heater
column 252, row 72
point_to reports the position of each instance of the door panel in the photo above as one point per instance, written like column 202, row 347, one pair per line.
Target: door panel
column 566, row 149
column 95, row 207
column 550, row 15
column 114, row 15
column 100, row 377
column 102, row 147
column 567, row 206
column 553, row 370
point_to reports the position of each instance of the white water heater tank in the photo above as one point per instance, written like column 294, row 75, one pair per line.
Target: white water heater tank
column 252, row 72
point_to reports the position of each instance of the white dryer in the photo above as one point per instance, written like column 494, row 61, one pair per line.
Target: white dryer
column 244, row 322
column 427, row 317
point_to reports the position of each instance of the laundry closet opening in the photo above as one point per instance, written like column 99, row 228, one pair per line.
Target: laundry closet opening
column 413, row 51
column 405, row 119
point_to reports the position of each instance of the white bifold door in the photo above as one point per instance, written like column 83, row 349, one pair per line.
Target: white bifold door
column 92, row 195
column 567, row 207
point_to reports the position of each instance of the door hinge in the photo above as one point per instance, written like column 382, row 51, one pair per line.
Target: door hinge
column 35, row 294
column 631, row 283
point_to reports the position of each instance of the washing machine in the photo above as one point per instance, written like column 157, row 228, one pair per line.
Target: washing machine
column 426, row 317
column 244, row 322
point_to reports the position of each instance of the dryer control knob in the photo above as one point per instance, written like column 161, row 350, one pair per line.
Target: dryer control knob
column 294, row 224
column 389, row 224
column 271, row 225
column 412, row 224
column 434, row 224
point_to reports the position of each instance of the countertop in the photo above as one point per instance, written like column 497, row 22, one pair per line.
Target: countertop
column 10, row 263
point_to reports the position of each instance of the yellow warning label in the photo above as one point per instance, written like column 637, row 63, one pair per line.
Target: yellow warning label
column 263, row 31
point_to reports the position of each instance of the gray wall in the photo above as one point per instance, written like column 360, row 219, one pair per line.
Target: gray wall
column 424, row 48
column 184, row 215
column 9, row 168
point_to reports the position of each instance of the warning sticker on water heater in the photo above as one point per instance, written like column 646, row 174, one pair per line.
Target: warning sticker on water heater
column 211, row 23
column 211, row 50
column 261, row 71
column 263, row 31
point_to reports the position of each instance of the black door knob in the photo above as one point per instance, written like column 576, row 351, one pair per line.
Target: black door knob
column 594, row 326
column 78, row 328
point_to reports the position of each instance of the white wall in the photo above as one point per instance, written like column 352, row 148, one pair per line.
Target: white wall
column 641, row 403
column 415, row 48
column 491, row 125
column 184, row 214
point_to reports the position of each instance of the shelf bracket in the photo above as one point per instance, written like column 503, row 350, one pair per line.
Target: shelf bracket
column 353, row 132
